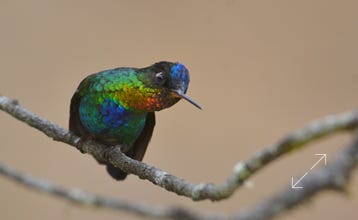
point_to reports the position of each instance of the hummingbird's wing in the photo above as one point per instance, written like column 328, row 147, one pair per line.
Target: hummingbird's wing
column 140, row 145
column 75, row 124
column 138, row 149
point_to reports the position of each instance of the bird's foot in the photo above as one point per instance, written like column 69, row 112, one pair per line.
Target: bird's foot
column 107, row 153
column 122, row 147
column 80, row 143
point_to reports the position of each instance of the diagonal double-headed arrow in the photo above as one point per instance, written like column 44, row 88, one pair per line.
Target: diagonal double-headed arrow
column 294, row 184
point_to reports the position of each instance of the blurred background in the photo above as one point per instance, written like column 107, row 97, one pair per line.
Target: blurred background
column 259, row 69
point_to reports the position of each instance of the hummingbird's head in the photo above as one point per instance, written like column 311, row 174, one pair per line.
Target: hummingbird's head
column 167, row 84
column 173, row 81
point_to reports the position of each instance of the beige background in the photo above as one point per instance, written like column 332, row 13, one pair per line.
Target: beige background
column 258, row 68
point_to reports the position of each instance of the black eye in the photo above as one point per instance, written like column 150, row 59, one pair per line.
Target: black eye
column 160, row 78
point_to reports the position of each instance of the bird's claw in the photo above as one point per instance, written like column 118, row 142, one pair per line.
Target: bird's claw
column 80, row 143
column 122, row 147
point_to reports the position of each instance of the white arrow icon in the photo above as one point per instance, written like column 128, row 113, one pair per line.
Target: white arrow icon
column 294, row 184
column 322, row 156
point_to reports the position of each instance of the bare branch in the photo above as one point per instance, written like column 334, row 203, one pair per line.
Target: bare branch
column 78, row 196
column 242, row 171
column 332, row 177
column 335, row 176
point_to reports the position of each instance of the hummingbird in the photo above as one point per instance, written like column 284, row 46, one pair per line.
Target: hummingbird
column 117, row 106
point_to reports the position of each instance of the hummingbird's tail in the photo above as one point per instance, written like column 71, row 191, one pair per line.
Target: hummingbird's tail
column 116, row 173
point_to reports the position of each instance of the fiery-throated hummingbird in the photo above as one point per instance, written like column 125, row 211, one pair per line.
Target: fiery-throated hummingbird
column 116, row 106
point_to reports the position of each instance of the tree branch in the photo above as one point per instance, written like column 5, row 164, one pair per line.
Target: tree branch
column 242, row 171
column 334, row 176
column 81, row 197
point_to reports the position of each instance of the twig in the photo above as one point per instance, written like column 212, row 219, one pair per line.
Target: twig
column 242, row 171
column 334, row 176
column 81, row 197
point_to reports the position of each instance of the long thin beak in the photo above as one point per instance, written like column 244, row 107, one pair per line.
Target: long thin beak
column 181, row 94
